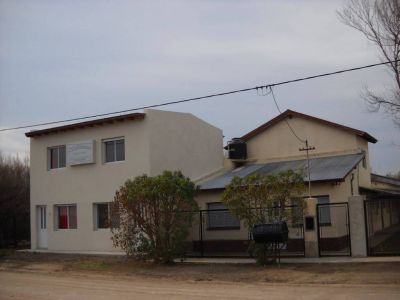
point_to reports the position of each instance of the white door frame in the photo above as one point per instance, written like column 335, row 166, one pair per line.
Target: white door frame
column 41, row 226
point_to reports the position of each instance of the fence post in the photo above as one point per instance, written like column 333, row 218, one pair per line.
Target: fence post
column 311, row 228
column 357, row 221
column 201, row 234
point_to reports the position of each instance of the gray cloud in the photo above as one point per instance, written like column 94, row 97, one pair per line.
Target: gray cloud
column 70, row 58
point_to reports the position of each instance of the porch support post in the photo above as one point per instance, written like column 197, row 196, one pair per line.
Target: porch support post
column 310, row 228
column 358, row 234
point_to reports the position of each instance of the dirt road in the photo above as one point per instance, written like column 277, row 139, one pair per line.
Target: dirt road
column 36, row 285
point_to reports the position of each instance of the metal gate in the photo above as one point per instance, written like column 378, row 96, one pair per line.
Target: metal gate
column 216, row 233
column 382, row 223
column 333, row 229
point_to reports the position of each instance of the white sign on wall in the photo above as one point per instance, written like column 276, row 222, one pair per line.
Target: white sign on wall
column 80, row 153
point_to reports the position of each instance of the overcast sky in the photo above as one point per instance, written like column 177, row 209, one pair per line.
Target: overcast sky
column 63, row 59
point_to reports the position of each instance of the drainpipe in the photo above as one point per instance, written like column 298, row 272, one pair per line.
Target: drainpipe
column 351, row 184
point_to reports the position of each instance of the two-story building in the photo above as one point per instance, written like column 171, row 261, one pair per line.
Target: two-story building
column 76, row 170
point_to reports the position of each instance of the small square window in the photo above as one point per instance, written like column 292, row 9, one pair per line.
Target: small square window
column 66, row 217
column 56, row 157
column 105, row 216
column 114, row 150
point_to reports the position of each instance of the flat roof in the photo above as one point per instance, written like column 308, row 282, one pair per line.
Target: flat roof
column 91, row 123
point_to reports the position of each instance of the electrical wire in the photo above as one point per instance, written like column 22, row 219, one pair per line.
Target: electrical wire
column 301, row 140
column 286, row 121
column 201, row 97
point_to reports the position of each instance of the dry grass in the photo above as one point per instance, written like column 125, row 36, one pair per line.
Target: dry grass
column 349, row 273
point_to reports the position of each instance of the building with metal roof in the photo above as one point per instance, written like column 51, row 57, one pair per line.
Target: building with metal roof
column 334, row 159
column 322, row 169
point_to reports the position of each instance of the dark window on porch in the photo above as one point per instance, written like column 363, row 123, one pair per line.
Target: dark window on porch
column 222, row 219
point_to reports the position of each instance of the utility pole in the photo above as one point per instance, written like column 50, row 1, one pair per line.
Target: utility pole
column 308, row 148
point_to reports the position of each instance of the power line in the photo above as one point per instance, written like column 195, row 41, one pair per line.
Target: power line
column 201, row 97
column 307, row 148
column 286, row 121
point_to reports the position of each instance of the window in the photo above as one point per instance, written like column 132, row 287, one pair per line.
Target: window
column 66, row 217
column 103, row 216
column 42, row 217
column 56, row 157
column 114, row 150
column 324, row 211
column 221, row 219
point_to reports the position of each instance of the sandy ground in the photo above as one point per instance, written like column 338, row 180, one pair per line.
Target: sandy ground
column 45, row 276
column 28, row 285
column 345, row 273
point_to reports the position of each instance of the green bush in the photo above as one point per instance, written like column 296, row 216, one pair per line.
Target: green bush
column 155, row 216
column 259, row 198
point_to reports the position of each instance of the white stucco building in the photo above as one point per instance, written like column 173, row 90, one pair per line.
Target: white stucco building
column 76, row 169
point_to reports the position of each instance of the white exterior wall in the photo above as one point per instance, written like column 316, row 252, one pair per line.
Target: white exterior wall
column 180, row 141
column 84, row 185
column 278, row 143
column 364, row 172
column 152, row 145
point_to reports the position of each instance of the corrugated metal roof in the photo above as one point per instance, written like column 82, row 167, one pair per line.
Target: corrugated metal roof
column 381, row 192
column 385, row 179
column 331, row 168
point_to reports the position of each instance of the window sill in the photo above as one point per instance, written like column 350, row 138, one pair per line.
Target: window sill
column 224, row 228
column 113, row 162
column 55, row 169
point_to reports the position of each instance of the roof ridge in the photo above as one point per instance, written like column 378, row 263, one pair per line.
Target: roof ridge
column 289, row 113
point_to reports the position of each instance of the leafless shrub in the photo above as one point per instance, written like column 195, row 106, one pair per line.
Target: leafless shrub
column 379, row 22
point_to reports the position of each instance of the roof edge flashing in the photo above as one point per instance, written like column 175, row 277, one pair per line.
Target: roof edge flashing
column 81, row 125
column 291, row 113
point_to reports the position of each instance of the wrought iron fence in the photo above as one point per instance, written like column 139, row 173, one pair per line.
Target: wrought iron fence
column 382, row 223
column 217, row 233
column 333, row 229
